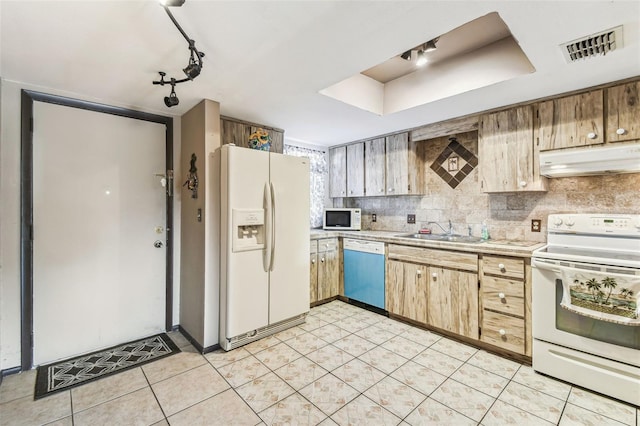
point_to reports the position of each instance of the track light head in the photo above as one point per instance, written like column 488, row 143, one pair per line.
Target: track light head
column 192, row 70
column 171, row 3
column 422, row 59
column 172, row 99
column 406, row 55
column 430, row 46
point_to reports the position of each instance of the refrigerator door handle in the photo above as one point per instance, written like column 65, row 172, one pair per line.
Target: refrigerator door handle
column 273, row 226
column 266, row 255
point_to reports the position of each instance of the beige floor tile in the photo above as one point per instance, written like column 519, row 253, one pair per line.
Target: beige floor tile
column 332, row 315
column 226, row 408
column 26, row 411
column 277, row 356
column 383, row 359
column 17, row 386
column 504, row 414
column 363, row 411
column 262, row 344
column 327, row 422
column 395, row 396
column 359, row 375
column 182, row 391
column 329, row 393
column 419, row 377
column 495, row 364
column 355, row 345
column 393, row 326
column 173, row 365
column 108, row 388
column 418, row 335
column 599, row 404
column 480, row 379
column 403, row 347
column 306, row 343
column 312, row 322
column 454, row 349
column 330, row 357
column 578, row 416
column 220, row 357
column 161, row 423
column 368, row 317
column 178, row 338
column 526, row 376
column 437, row 361
column 293, row 410
column 67, row 421
column 532, row 401
column 289, row 333
column 330, row 333
column 300, row 373
column 243, row 371
column 375, row 334
column 264, row 391
column 463, row 399
column 137, row 408
column 351, row 324
column 433, row 413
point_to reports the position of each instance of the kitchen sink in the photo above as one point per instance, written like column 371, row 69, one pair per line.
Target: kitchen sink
column 454, row 238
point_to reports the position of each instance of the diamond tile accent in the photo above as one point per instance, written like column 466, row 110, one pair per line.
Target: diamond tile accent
column 465, row 161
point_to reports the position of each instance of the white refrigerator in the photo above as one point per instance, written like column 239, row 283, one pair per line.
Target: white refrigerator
column 261, row 240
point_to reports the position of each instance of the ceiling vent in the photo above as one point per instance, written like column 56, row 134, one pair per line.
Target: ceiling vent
column 593, row 45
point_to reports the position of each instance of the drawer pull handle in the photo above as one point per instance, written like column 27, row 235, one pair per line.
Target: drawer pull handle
column 434, row 275
column 592, row 135
column 313, row 261
column 501, row 266
column 621, row 131
column 501, row 295
column 419, row 272
column 502, row 332
column 322, row 260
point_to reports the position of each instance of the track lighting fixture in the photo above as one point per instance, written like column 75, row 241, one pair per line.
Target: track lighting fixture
column 430, row 46
column 422, row 59
column 193, row 68
column 406, row 55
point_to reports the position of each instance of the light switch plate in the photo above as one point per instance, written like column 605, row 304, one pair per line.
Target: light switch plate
column 536, row 225
column 411, row 218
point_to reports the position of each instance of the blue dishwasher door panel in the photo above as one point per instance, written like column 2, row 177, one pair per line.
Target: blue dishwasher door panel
column 364, row 277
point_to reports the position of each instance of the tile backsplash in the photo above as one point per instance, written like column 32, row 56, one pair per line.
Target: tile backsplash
column 508, row 215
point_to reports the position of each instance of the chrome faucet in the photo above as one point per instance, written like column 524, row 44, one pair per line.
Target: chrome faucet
column 449, row 232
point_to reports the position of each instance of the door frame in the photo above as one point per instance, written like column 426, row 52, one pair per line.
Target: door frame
column 28, row 97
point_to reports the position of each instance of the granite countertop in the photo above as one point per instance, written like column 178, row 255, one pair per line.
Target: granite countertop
column 514, row 248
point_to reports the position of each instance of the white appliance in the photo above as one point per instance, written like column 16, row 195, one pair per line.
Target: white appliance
column 342, row 218
column 614, row 159
column 586, row 280
column 261, row 238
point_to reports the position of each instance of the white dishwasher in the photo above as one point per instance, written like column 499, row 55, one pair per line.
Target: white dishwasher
column 364, row 271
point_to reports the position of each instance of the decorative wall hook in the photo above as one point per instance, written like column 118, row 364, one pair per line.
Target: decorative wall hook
column 192, row 177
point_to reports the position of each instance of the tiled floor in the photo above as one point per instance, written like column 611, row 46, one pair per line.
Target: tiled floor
column 343, row 366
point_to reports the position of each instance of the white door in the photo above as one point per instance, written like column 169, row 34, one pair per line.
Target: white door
column 289, row 278
column 98, row 208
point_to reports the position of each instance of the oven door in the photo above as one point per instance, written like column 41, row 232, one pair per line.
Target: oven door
column 581, row 329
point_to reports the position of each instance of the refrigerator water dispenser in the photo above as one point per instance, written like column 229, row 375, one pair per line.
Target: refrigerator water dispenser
column 248, row 229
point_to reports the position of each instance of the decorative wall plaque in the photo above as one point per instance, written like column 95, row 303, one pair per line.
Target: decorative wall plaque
column 454, row 163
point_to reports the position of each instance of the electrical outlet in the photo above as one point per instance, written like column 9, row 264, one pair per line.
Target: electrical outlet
column 411, row 218
column 536, row 225
column 374, row 217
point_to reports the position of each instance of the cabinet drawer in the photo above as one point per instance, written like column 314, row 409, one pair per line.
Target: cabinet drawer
column 327, row 244
column 444, row 258
column 503, row 295
column 313, row 247
column 503, row 266
column 503, row 331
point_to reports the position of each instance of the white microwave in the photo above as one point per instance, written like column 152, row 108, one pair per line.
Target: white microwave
column 343, row 219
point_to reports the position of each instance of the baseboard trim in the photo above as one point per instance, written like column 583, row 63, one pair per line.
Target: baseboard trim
column 194, row 342
column 9, row 371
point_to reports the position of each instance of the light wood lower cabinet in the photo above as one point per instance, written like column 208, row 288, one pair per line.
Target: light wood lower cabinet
column 406, row 290
column 325, row 269
column 453, row 301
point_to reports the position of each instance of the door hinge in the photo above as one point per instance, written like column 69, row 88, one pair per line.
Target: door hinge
column 169, row 182
column 478, row 283
column 479, row 331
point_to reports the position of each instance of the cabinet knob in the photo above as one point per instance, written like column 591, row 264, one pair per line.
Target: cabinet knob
column 390, row 189
column 592, row 135
column 621, row 131
column 502, row 332
column 501, row 266
column 313, row 261
column 351, row 192
column 501, row 295
column 523, row 183
column 381, row 190
column 322, row 260
column 434, row 275
column 419, row 272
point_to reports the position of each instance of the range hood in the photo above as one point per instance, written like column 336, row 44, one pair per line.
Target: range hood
column 610, row 159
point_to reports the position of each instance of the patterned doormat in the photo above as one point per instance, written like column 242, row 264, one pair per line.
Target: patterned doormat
column 63, row 375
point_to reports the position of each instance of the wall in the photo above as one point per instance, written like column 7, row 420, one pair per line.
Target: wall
column 507, row 215
column 10, row 217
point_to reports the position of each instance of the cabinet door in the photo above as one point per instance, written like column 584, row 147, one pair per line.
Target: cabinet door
column 507, row 156
column 415, row 292
column 277, row 138
column 235, row 132
column 374, row 167
column 355, row 170
column 623, row 110
column 397, row 162
column 571, row 121
column 337, row 172
column 453, row 301
column 328, row 274
column 313, row 275
column 394, row 287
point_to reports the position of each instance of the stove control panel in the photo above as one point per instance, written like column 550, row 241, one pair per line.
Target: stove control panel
column 616, row 224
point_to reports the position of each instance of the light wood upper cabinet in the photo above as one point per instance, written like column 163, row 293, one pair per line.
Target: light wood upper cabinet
column 507, row 154
column 374, row 171
column 571, row 121
column 238, row 132
column 355, row 170
column 397, row 164
column 453, row 301
column 338, row 172
column 623, row 112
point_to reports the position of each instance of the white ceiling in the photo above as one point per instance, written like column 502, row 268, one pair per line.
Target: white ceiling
column 266, row 60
